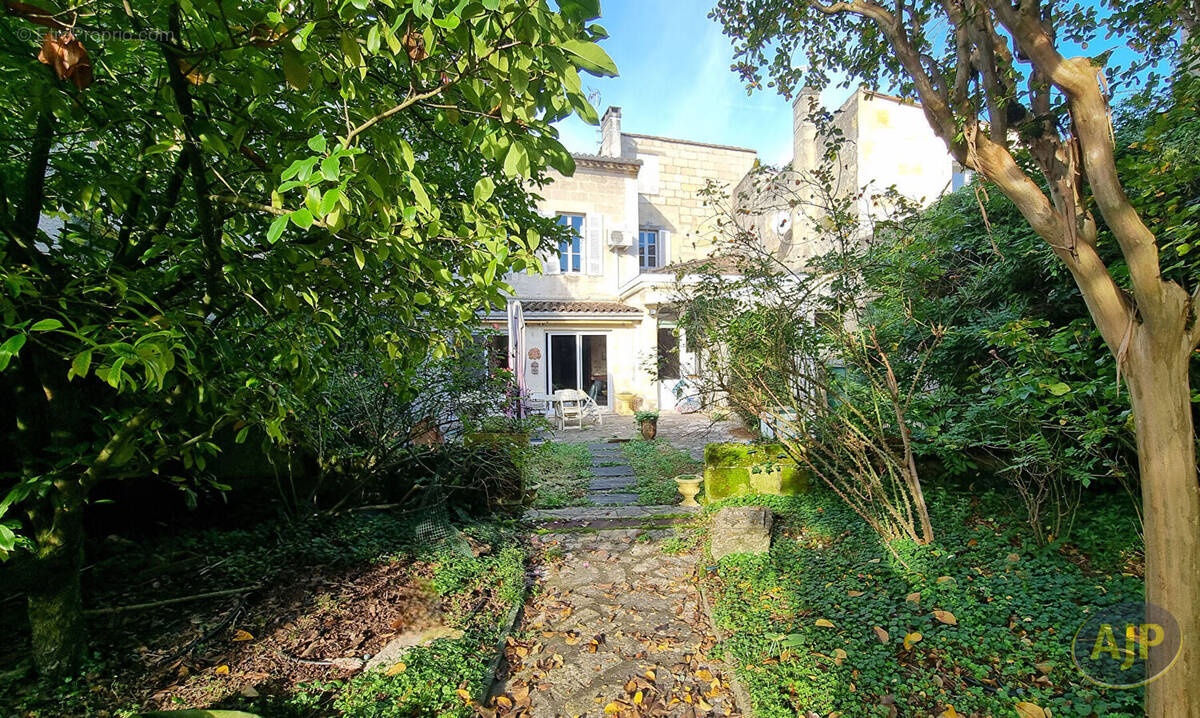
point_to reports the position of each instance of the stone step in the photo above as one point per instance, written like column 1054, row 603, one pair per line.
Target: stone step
column 614, row 524
column 608, row 484
column 625, row 470
column 613, row 499
column 586, row 513
column 606, row 446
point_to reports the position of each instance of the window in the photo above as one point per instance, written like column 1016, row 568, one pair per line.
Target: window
column 648, row 249
column 668, row 354
column 570, row 251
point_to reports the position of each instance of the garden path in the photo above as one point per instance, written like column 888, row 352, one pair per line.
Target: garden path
column 614, row 625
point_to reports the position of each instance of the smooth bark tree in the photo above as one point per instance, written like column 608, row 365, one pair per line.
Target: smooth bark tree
column 998, row 84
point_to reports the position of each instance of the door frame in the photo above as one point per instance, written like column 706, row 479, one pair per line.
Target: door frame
column 579, row 335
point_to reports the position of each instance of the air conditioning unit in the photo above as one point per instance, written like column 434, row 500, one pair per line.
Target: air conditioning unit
column 620, row 238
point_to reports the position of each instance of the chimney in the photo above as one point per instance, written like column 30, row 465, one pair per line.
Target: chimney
column 610, row 133
column 804, row 130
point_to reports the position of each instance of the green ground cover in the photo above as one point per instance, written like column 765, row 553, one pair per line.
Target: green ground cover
column 340, row 585
column 557, row 473
column 656, row 464
column 820, row 623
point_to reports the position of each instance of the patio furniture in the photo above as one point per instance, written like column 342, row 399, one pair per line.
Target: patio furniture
column 568, row 406
column 539, row 403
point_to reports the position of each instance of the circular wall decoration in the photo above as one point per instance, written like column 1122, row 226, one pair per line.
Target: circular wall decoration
column 535, row 353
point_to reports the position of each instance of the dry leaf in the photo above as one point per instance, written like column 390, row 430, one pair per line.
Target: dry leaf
column 911, row 639
column 68, row 57
column 1030, row 710
column 638, row 698
column 838, row 656
column 612, row 708
column 881, row 634
column 397, row 668
column 464, row 695
column 504, row 702
column 948, row 713
column 222, row 670
column 945, row 579
column 243, row 636
column 914, row 598
column 824, row 623
column 854, row 594
column 946, row 617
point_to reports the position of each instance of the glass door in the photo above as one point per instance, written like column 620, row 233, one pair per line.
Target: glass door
column 580, row 361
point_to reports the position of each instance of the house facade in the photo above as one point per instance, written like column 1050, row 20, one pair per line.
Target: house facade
column 599, row 318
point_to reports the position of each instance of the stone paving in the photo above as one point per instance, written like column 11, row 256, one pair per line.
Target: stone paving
column 689, row 432
column 614, row 626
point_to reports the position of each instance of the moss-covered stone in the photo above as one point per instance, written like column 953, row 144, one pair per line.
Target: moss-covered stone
column 740, row 469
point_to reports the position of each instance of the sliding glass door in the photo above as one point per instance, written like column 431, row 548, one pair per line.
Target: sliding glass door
column 580, row 361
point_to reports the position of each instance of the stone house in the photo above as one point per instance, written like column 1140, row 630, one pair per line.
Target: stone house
column 599, row 318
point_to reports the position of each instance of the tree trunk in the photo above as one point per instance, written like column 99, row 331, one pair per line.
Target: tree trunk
column 1159, row 392
column 55, row 596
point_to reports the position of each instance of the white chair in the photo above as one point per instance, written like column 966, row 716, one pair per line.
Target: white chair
column 538, row 403
column 569, row 404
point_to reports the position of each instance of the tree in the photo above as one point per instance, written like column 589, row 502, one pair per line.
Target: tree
column 996, row 86
column 196, row 194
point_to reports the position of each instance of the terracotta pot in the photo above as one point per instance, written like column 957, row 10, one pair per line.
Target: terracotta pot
column 649, row 429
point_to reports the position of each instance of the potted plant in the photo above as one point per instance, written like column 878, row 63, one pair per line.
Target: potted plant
column 647, row 422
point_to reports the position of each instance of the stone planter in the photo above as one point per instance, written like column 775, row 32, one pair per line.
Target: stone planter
column 689, row 486
column 628, row 403
column 649, row 428
column 743, row 469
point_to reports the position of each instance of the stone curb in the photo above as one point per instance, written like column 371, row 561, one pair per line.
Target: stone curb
column 745, row 707
column 514, row 614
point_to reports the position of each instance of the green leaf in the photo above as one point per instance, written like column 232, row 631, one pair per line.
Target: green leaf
column 359, row 258
column 276, row 229
column 302, row 218
column 294, row 69
column 590, row 58
column 317, row 143
column 330, row 168
column 483, row 189
column 80, row 364
column 516, row 161
column 46, row 325
column 1058, row 389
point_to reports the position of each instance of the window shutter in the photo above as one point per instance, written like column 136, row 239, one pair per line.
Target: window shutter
column 593, row 253
column 664, row 247
column 548, row 255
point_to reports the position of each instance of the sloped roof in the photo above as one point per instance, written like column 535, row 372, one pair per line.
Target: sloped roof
column 725, row 264
column 577, row 307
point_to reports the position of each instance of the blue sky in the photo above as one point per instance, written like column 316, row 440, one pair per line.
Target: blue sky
column 675, row 81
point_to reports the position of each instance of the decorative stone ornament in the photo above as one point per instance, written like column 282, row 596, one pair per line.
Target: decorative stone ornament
column 689, row 486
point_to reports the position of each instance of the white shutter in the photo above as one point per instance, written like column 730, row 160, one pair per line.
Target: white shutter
column 548, row 255
column 593, row 252
column 664, row 247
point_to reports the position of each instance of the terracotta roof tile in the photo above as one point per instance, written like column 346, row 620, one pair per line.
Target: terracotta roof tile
column 581, row 307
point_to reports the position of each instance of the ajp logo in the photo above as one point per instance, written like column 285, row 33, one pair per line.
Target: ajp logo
column 1126, row 645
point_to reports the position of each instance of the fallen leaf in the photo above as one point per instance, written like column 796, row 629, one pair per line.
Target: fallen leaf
column 945, row 579
column 824, row 623
column 1030, row 710
column 881, row 634
column 914, row 598
column 946, row 617
column 838, row 656
column 638, row 698
column 948, row 713
column 397, row 669
column 222, row 670
column 504, row 702
column 464, row 695
column 854, row 594
column 243, row 636
column 612, row 708
column 911, row 639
